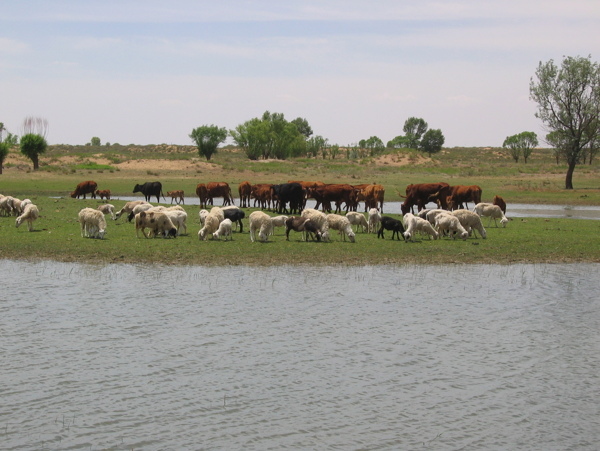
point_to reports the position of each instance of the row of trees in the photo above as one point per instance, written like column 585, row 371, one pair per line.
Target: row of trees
column 33, row 142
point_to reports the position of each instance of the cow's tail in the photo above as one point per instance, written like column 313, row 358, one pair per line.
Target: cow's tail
column 161, row 192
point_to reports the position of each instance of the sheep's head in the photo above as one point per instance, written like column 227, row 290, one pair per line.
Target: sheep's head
column 101, row 233
column 351, row 236
column 504, row 221
column 18, row 221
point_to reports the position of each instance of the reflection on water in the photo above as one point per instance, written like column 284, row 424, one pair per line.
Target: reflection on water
column 376, row 357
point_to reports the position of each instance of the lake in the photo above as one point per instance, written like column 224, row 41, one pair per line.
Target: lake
column 154, row 357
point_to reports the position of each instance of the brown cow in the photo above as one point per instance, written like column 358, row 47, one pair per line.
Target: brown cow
column 461, row 194
column 373, row 196
column 261, row 193
column 103, row 193
column 177, row 196
column 202, row 194
column 220, row 189
column 500, row 202
column 338, row 193
column 88, row 187
column 420, row 194
column 244, row 190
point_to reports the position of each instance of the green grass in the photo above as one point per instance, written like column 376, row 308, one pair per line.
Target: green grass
column 57, row 237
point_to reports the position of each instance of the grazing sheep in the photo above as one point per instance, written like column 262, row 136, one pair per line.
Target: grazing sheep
column 320, row 219
column 279, row 221
column 388, row 223
column 492, row 212
column 211, row 225
column 158, row 223
column 224, row 230
column 471, row 222
column 358, row 219
column 218, row 211
column 262, row 222
column 30, row 214
column 305, row 225
column 374, row 220
column 19, row 206
column 423, row 213
column 342, row 225
column 107, row 209
column 142, row 207
column 5, row 209
column 432, row 214
column 179, row 219
column 13, row 205
column 128, row 207
column 92, row 222
column 203, row 214
column 414, row 224
column 449, row 222
column 235, row 214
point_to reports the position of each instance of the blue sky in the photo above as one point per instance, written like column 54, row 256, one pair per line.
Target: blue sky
column 148, row 72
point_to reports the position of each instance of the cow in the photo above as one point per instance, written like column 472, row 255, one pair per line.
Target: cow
column 392, row 224
column 103, row 193
column 461, row 194
column 420, row 194
column 288, row 192
column 202, row 194
column 177, row 196
column 219, row 189
column 244, row 190
column 338, row 193
column 88, row 187
column 261, row 193
column 500, row 202
column 150, row 189
column 307, row 186
column 372, row 195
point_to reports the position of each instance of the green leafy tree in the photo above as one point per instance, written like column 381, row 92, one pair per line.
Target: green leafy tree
column 303, row 127
column 399, row 142
column 568, row 100
column 521, row 144
column 373, row 145
column 95, row 141
column 558, row 144
column 4, row 148
column 432, row 141
column 314, row 145
column 414, row 129
column 208, row 138
column 33, row 141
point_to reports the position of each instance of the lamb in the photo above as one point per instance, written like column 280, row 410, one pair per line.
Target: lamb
column 224, row 230
column 374, row 220
column 92, row 222
column 179, row 219
column 449, row 222
column 128, row 207
column 320, row 219
column 341, row 224
column 392, row 224
column 30, row 214
column 415, row 224
column 358, row 219
column 211, row 224
column 158, row 223
column 279, row 221
column 305, row 225
column 470, row 221
column 262, row 222
column 107, row 209
column 492, row 212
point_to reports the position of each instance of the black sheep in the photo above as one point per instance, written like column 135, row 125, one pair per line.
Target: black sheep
column 392, row 224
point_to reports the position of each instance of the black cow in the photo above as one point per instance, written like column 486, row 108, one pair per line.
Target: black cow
column 288, row 192
column 150, row 189
column 392, row 224
column 235, row 214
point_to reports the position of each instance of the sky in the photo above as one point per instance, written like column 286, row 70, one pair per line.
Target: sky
column 149, row 72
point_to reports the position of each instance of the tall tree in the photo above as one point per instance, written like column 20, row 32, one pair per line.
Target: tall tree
column 95, row 141
column 521, row 144
column 568, row 99
column 33, row 140
column 4, row 147
column 207, row 139
column 414, row 129
column 303, row 127
column 432, row 141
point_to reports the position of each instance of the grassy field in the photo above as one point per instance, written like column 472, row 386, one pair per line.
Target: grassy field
column 118, row 168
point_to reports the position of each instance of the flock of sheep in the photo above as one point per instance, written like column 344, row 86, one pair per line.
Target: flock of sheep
column 24, row 210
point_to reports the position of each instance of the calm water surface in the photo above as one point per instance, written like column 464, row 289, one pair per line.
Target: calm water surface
column 124, row 357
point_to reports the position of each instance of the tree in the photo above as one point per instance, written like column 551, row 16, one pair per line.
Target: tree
column 315, row 144
column 303, row 127
column 432, row 141
column 568, row 101
column 33, row 141
column 374, row 145
column 95, row 141
column 414, row 129
column 399, row 142
column 4, row 147
column 521, row 144
column 208, row 138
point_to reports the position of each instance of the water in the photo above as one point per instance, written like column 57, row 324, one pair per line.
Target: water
column 152, row 357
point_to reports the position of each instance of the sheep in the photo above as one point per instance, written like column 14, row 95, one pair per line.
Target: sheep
column 492, row 212
column 92, row 222
column 107, row 209
column 158, row 223
column 305, row 225
column 30, row 214
column 414, row 224
column 139, row 208
column 358, row 219
column 20, row 207
column 224, row 230
column 341, row 224
column 13, row 206
column 211, row 225
column 179, row 219
column 320, row 219
column 262, row 222
column 446, row 221
column 235, row 214
column 279, row 221
column 218, row 211
column 432, row 214
column 5, row 205
column 392, row 224
column 470, row 221
column 128, row 207
column 374, row 219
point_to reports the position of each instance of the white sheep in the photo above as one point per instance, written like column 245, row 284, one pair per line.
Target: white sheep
column 92, row 222
column 203, row 214
column 449, row 222
column 211, row 223
column 22, row 204
column 218, row 211
column 341, row 224
column 224, row 230
column 374, row 220
column 320, row 220
column 414, row 224
column 432, row 214
column 30, row 214
column 261, row 222
column 492, row 212
column 278, row 221
column 358, row 219
column 179, row 219
column 128, row 207
column 5, row 208
column 470, row 221
column 158, row 223
column 107, row 209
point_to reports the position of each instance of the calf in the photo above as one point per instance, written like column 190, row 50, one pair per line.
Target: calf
column 176, row 196
column 392, row 224
column 103, row 193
